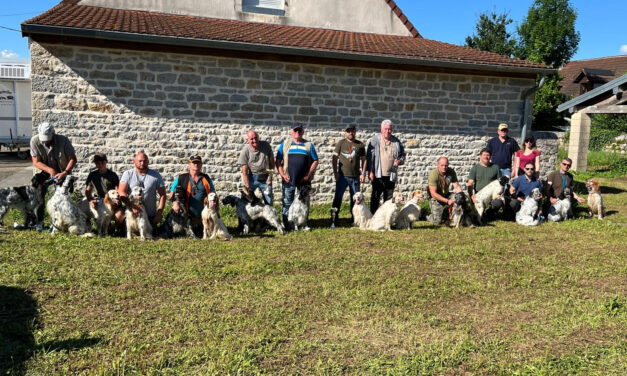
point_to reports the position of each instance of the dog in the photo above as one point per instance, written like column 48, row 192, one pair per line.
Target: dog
column 178, row 223
column 249, row 214
column 137, row 224
column 562, row 209
column 410, row 212
column 361, row 213
column 460, row 212
column 488, row 193
column 595, row 201
column 386, row 215
column 103, row 212
column 27, row 199
column 213, row 226
column 528, row 213
column 298, row 214
column 64, row 214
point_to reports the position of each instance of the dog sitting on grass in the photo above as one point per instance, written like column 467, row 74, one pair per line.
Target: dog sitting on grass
column 137, row 224
column 254, row 214
column 64, row 214
column 595, row 201
column 25, row 198
column 213, row 226
column 178, row 223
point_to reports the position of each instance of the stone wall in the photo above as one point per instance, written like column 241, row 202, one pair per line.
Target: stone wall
column 174, row 105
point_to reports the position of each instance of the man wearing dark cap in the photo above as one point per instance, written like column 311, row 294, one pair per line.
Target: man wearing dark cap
column 102, row 180
column 197, row 186
column 296, row 161
column 51, row 153
column 503, row 148
column 351, row 155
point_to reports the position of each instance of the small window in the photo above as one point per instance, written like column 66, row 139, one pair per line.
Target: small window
column 274, row 7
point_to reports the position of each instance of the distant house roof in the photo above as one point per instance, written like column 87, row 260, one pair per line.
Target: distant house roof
column 599, row 71
column 69, row 19
column 612, row 90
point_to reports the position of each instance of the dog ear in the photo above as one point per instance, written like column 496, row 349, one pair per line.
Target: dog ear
column 217, row 208
column 205, row 200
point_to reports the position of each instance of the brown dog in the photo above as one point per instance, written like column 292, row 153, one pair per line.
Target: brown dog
column 595, row 201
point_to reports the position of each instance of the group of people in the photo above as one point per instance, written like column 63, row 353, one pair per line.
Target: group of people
column 296, row 161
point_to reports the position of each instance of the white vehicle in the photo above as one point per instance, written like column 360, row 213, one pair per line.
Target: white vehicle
column 16, row 126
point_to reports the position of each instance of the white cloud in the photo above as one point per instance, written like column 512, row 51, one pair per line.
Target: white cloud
column 623, row 49
column 8, row 54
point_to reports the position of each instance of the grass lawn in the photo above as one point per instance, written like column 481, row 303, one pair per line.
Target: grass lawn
column 496, row 300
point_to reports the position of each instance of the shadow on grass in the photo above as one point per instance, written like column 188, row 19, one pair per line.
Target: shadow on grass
column 18, row 319
column 612, row 190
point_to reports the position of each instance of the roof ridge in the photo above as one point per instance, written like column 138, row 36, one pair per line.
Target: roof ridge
column 403, row 18
column 597, row 58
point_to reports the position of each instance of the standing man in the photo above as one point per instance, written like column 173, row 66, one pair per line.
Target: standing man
column 197, row 185
column 503, row 148
column 52, row 153
column 560, row 179
column 102, row 180
column 257, row 165
column 151, row 181
column 385, row 153
column 523, row 185
column 296, row 161
column 351, row 154
column 482, row 174
column 439, row 181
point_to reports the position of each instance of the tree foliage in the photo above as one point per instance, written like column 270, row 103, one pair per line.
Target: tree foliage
column 547, row 35
column 491, row 34
column 546, row 100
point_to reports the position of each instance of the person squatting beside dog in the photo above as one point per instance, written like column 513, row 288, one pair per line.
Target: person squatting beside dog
column 102, row 180
column 522, row 187
column 559, row 180
column 439, row 182
column 257, row 166
column 52, row 153
column 482, row 174
column 152, row 183
column 296, row 161
column 349, row 169
column 197, row 185
column 384, row 154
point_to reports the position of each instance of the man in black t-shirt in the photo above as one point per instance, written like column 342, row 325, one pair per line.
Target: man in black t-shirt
column 102, row 180
column 351, row 155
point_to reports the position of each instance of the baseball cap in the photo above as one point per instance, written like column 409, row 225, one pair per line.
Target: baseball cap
column 352, row 126
column 502, row 126
column 195, row 158
column 46, row 131
column 99, row 157
column 297, row 126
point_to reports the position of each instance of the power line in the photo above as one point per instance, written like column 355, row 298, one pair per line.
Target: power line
column 8, row 28
column 18, row 14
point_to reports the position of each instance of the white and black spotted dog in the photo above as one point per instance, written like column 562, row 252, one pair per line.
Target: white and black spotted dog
column 461, row 213
column 103, row 212
column 490, row 192
column 528, row 213
column 178, row 223
column 64, row 213
column 27, row 199
column 298, row 214
column 562, row 209
column 254, row 214
column 137, row 224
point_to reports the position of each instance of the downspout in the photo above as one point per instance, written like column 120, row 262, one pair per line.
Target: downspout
column 526, row 119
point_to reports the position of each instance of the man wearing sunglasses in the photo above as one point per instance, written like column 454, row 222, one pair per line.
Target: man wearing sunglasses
column 503, row 148
column 197, row 186
column 523, row 185
column 557, row 180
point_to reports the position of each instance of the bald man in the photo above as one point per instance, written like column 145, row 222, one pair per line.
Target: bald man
column 257, row 161
column 151, row 181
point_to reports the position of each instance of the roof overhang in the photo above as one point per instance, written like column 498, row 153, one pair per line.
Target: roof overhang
column 613, row 88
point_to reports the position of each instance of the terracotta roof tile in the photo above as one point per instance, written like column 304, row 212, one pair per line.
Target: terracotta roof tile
column 616, row 64
column 68, row 14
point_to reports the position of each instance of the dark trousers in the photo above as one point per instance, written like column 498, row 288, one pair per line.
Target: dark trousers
column 381, row 186
column 340, row 187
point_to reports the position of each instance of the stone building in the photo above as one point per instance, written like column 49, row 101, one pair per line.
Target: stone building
column 191, row 77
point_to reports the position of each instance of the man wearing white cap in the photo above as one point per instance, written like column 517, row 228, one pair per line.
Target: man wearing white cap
column 52, row 153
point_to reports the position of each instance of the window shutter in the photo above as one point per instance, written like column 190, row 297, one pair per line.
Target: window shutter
column 267, row 4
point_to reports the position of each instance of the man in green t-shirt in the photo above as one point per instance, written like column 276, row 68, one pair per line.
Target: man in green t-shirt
column 482, row 174
column 351, row 155
column 439, row 181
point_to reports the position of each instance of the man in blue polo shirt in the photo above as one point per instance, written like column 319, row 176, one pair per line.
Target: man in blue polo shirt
column 296, row 161
column 523, row 185
column 503, row 148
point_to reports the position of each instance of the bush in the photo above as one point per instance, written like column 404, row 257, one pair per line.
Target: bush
column 604, row 129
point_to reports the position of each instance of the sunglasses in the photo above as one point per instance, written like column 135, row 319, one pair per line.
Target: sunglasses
column 504, row 130
column 566, row 165
column 529, row 169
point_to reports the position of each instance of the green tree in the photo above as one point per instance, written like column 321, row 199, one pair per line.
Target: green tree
column 547, row 35
column 491, row 34
column 546, row 100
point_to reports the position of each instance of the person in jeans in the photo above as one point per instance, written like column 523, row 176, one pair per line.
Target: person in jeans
column 349, row 169
column 257, row 164
column 385, row 153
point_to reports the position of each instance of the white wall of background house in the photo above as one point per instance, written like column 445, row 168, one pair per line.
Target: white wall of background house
column 15, row 101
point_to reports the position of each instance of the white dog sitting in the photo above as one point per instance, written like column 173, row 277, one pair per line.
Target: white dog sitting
column 487, row 194
column 361, row 213
column 298, row 214
column 103, row 211
column 64, row 214
column 137, row 224
column 386, row 215
column 595, row 200
column 410, row 212
column 528, row 213
column 562, row 209
column 213, row 226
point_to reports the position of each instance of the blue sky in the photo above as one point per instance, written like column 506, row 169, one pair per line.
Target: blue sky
column 601, row 24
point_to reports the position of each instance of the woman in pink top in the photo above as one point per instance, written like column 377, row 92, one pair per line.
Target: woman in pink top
column 528, row 153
